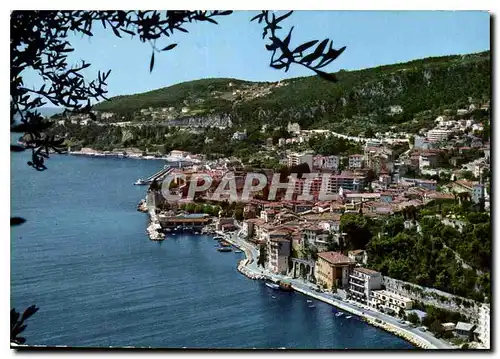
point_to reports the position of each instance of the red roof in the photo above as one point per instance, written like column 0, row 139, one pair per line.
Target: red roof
column 335, row 258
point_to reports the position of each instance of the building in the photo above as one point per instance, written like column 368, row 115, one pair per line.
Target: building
column 355, row 161
column 240, row 136
column 359, row 256
column 278, row 251
column 332, row 270
column 477, row 193
column 295, row 159
column 362, row 282
column 326, row 162
column 346, row 182
column 484, row 325
column 427, row 159
column 465, row 330
column 390, row 302
column 427, row 184
column 438, row 134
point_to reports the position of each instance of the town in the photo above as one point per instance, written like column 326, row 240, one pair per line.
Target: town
column 441, row 174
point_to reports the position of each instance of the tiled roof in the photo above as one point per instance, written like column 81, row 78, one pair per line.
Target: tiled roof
column 335, row 258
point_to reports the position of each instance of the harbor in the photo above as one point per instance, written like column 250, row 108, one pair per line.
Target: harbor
column 249, row 268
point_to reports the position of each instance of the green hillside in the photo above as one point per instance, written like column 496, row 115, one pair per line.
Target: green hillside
column 411, row 90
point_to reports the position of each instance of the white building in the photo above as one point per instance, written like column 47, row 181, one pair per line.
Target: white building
column 438, row 134
column 484, row 325
column 355, row 161
column 477, row 192
column 295, row 159
column 389, row 301
column 362, row 282
column 326, row 162
column 278, row 251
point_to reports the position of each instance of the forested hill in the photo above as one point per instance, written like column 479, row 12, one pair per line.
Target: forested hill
column 380, row 96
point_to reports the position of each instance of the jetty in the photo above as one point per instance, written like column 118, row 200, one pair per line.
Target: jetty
column 156, row 176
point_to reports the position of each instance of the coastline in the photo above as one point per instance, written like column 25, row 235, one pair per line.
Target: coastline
column 108, row 154
column 247, row 267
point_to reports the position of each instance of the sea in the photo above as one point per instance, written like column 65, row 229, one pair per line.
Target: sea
column 84, row 258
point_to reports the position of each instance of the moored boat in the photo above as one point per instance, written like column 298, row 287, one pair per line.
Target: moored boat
column 286, row 287
column 339, row 314
column 224, row 249
column 141, row 182
column 272, row 285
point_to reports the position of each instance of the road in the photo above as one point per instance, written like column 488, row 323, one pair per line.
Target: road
column 426, row 339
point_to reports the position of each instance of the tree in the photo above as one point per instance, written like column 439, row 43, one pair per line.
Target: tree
column 357, row 228
column 262, row 256
column 39, row 43
column 369, row 133
column 413, row 318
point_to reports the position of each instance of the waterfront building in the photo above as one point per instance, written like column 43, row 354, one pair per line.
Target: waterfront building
column 332, row 270
column 390, row 302
column 362, row 282
column 278, row 250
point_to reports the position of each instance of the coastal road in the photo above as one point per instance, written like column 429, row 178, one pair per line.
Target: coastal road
column 308, row 288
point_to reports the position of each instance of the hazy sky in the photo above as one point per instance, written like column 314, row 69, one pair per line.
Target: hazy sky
column 235, row 48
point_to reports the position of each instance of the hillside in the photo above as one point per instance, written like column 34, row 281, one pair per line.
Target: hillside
column 401, row 94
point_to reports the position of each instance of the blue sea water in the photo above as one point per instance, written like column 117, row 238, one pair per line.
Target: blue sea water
column 84, row 258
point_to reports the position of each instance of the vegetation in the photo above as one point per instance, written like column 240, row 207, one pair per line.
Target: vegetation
column 360, row 100
column 438, row 256
column 39, row 44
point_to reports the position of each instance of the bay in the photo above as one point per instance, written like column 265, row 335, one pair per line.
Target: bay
column 84, row 258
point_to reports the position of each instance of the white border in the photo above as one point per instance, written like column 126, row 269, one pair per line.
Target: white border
column 254, row 5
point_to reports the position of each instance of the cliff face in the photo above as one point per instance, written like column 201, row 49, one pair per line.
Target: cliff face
column 392, row 94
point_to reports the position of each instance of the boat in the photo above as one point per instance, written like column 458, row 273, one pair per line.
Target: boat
column 141, row 182
column 224, row 244
column 339, row 314
column 218, row 238
column 286, row 287
column 312, row 306
column 224, row 249
column 309, row 301
column 238, row 251
column 348, row 317
column 272, row 285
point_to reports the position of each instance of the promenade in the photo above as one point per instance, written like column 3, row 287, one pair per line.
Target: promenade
column 249, row 267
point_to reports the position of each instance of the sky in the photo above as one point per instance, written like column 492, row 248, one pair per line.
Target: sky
column 235, row 48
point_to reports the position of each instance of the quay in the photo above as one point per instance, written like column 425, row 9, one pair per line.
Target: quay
column 249, row 268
